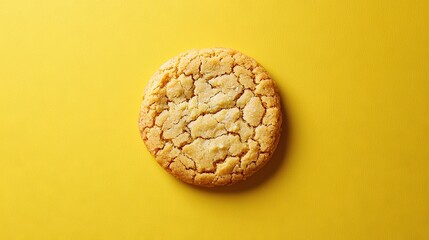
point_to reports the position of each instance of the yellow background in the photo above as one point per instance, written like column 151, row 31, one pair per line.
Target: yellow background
column 353, row 164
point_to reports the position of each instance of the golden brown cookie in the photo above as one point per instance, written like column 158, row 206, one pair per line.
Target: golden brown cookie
column 211, row 117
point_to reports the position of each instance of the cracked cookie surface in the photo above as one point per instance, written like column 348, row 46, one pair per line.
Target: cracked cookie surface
column 211, row 117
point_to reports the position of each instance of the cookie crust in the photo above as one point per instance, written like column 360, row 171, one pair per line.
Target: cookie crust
column 211, row 117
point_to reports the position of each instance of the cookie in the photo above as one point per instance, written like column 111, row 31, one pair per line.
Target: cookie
column 211, row 117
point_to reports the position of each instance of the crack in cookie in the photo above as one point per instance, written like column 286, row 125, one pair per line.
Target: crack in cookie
column 211, row 116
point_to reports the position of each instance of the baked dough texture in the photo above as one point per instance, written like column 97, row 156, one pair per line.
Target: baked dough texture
column 211, row 117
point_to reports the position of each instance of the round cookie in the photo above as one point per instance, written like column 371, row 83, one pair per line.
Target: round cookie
column 211, row 117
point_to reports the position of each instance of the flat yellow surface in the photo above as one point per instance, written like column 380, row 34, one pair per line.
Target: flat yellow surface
column 353, row 163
